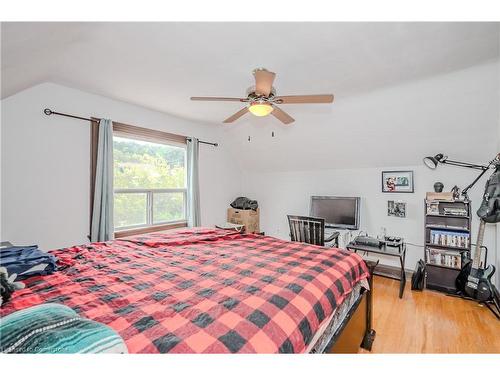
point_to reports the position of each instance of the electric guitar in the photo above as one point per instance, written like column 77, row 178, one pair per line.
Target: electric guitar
column 478, row 285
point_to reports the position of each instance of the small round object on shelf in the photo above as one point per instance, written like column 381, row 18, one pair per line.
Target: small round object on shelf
column 438, row 187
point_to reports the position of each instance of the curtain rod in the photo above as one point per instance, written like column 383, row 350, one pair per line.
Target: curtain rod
column 49, row 112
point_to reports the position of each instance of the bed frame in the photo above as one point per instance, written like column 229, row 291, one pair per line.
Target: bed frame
column 356, row 329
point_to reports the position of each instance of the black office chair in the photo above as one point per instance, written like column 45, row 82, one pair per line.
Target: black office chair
column 310, row 230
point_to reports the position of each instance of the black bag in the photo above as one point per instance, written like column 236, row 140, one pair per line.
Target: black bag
column 243, row 203
column 418, row 278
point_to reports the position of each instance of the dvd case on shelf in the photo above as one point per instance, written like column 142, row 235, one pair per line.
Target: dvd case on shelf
column 444, row 258
column 450, row 238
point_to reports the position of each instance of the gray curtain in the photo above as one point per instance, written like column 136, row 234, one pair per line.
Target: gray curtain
column 193, row 184
column 102, row 228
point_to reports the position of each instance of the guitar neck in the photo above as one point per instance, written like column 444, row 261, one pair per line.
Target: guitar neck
column 477, row 254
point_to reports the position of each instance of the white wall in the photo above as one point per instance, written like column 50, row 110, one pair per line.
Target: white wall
column 45, row 163
column 388, row 129
column 285, row 193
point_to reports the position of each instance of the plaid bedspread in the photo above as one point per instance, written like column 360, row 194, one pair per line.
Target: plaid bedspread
column 200, row 290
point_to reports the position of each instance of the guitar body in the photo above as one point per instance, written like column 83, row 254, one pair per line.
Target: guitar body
column 473, row 280
column 479, row 284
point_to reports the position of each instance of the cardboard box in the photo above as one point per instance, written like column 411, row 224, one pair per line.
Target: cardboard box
column 248, row 218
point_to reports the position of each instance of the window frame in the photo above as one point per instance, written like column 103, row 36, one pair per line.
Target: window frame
column 150, row 221
column 143, row 134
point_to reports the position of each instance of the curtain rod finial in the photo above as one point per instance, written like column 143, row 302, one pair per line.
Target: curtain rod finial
column 47, row 111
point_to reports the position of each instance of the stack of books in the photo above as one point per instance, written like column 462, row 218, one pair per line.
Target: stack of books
column 455, row 211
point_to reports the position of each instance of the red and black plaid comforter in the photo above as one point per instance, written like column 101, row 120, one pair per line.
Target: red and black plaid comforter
column 201, row 290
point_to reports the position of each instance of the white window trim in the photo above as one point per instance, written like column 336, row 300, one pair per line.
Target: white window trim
column 149, row 207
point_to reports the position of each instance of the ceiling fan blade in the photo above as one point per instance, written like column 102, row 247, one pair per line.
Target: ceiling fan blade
column 298, row 99
column 263, row 81
column 236, row 116
column 281, row 115
column 217, row 99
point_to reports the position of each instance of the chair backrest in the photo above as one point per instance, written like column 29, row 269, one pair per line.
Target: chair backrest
column 307, row 229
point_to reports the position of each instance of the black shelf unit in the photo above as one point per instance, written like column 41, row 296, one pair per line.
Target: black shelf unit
column 447, row 243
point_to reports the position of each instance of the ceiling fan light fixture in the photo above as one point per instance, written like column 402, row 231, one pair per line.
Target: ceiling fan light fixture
column 260, row 109
column 261, row 99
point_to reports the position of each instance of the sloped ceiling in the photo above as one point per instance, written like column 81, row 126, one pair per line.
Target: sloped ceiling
column 455, row 113
column 402, row 89
column 160, row 65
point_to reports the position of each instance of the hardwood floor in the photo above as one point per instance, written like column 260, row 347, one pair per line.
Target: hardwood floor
column 430, row 322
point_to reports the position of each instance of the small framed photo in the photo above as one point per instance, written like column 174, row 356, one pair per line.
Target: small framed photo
column 397, row 181
column 396, row 208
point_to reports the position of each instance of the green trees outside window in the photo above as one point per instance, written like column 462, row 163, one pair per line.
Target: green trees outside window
column 149, row 182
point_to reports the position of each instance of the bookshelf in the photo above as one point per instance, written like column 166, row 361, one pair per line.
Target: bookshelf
column 447, row 242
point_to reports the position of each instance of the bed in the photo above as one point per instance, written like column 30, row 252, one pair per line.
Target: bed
column 208, row 290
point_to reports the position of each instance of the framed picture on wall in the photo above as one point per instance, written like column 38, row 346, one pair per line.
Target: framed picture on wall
column 396, row 208
column 397, row 181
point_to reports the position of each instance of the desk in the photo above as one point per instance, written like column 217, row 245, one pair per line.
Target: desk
column 393, row 251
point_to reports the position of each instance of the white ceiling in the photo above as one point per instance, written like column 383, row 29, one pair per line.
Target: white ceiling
column 160, row 65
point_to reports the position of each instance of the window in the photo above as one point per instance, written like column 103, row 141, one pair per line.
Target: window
column 149, row 182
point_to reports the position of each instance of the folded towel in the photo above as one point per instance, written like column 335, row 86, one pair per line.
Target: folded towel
column 53, row 328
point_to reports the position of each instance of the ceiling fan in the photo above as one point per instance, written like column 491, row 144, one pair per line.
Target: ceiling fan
column 262, row 99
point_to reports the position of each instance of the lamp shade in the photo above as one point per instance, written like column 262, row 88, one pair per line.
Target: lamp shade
column 432, row 161
column 260, row 109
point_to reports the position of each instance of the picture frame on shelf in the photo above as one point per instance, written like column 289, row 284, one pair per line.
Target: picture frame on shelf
column 432, row 207
column 397, row 182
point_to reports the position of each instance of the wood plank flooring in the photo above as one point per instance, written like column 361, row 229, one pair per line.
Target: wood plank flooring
column 430, row 322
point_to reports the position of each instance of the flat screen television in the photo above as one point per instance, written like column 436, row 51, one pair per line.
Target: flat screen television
column 338, row 212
